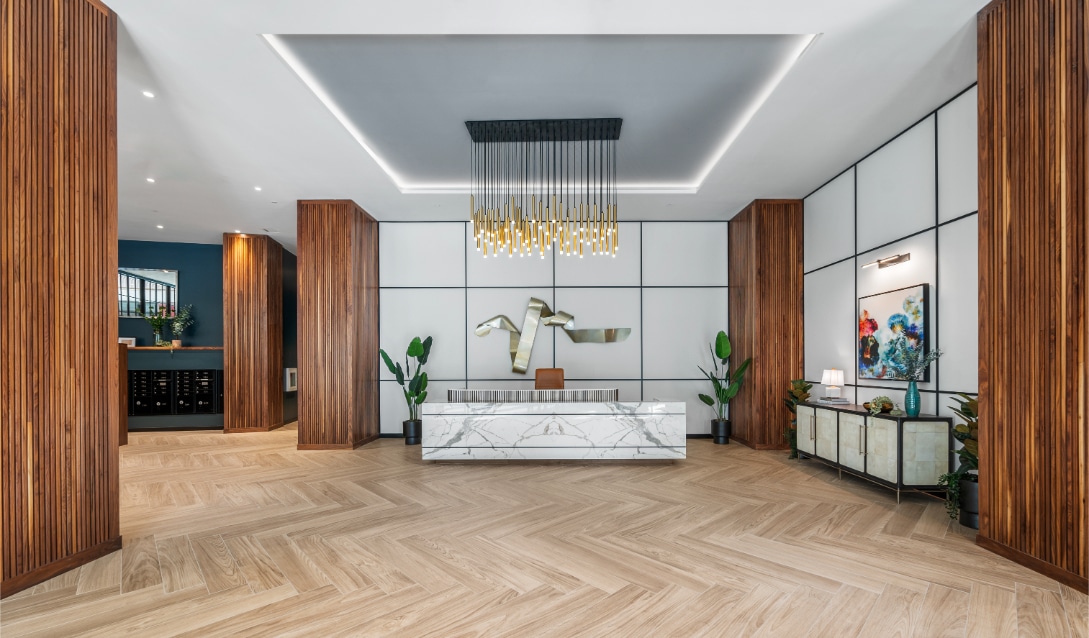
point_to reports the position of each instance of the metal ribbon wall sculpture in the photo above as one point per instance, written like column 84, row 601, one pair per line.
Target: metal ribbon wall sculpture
column 538, row 312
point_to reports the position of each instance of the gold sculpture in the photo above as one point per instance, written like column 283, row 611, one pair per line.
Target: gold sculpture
column 521, row 342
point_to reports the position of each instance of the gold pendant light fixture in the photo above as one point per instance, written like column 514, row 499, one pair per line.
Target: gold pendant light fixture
column 544, row 184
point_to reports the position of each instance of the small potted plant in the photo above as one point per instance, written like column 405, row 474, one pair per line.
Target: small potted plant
column 962, row 485
column 413, row 384
column 158, row 320
column 879, row 405
column 180, row 323
column 725, row 385
column 798, row 393
column 914, row 363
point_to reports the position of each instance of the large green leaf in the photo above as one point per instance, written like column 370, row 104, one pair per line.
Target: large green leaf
column 420, row 399
column 400, row 374
column 722, row 346
column 740, row 373
column 426, row 351
column 389, row 362
column 415, row 348
column 423, row 384
column 708, row 400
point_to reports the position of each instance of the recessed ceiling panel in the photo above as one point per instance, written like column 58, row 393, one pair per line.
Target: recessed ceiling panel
column 410, row 96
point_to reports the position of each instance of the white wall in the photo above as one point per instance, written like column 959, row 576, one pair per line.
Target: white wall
column 917, row 194
column 667, row 284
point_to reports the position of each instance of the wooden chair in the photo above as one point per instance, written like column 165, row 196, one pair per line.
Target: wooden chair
column 549, row 379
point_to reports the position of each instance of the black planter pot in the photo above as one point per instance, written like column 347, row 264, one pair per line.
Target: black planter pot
column 413, row 430
column 969, row 503
column 720, row 431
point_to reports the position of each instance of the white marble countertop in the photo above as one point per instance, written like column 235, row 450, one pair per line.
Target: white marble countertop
column 619, row 408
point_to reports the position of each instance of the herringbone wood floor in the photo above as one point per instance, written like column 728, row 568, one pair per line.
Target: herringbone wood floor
column 228, row 535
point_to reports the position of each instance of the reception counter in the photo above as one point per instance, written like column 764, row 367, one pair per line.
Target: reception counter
column 553, row 430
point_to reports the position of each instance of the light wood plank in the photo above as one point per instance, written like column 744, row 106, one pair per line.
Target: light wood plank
column 139, row 564
column 992, row 612
column 178, row 564
column 217, row 565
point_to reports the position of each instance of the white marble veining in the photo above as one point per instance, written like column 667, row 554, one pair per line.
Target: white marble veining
column 609, row 430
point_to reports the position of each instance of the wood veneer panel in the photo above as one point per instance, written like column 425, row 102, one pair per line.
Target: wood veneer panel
column 58, row 244
column 765, row 257
column 338, row 325
column 1033, row 253
column 253, row 344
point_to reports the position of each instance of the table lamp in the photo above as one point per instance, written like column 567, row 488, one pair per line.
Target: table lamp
column 832, row 380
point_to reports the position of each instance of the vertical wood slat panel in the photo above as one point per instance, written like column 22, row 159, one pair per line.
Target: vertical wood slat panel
column 58, row 238
column 1033, row 266
column 765, row 261
column 253, row 354
column 338, row 325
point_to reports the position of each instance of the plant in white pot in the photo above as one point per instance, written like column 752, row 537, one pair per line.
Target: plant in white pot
column 725, row 385
column 413, row 384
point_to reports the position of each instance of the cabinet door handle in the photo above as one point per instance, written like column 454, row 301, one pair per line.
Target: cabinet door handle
column 861, row 449
column 812, row 427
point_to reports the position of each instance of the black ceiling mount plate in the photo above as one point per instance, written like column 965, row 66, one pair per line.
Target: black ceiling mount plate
column 606, row 128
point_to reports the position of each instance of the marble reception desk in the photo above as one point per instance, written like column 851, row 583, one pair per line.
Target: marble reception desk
column 553, row 430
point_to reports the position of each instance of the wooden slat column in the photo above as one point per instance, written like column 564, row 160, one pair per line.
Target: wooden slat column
column 765, row 256
column 58, row 288
column 338, row 325
column 253, row 333
column 1033, row 254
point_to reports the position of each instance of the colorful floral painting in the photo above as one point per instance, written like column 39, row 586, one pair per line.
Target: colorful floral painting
column 881, row 319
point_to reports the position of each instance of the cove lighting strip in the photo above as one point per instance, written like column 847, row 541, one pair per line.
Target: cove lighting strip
column 460, row 188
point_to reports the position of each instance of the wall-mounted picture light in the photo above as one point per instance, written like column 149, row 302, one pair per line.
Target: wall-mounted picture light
column 889, row 261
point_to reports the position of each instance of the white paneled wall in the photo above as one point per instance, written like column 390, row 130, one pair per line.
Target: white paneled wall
column 667, row 284
column 909, row 192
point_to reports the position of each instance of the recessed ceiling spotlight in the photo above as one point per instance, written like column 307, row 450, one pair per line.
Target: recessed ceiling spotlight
column 151, row 180
column 256, row 188
column 275, row 202
column 237, row 231
column 148, row 94
column 159, row 226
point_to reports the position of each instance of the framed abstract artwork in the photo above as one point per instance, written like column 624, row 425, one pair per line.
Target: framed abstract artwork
column 884, row 317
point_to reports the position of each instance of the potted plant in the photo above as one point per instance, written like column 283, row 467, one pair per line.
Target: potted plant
column 725, row 385
column 413, row 384
column 158, row 320
column 180, row 323
column 914, row 363
column 962, row 485
column 798, row 393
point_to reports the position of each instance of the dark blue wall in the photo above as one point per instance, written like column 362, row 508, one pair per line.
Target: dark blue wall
column 200, row 282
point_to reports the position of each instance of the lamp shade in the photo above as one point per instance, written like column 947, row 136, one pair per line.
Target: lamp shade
column 832, row 377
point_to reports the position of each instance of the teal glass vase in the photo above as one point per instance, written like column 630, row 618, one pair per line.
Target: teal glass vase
column 912, row 399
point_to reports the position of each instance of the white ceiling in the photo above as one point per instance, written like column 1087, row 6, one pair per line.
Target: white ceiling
column 733, row 118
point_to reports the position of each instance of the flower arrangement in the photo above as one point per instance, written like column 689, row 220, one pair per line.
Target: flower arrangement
column 915, row 362
column 181, row 321
column 158, row 320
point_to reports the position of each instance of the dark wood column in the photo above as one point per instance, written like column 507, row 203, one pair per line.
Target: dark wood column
column 765, row 256
column 338, row 325
column 253, row 333
column 58, row 288
column 1033, row 253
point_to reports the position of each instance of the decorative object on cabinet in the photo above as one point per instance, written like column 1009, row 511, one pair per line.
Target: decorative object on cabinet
column 725, row 385
column 539, row 314
column 798, row 393
column 884, row 317
column 181, row 321
column 962, row 485
column 832, row 380
column 128, row 341
column 878, row 405
column 413, row 384
column 918, row 366
column 898, row 452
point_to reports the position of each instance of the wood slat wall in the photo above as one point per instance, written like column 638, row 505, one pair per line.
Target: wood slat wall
column 765, row 257
column 1033, row 253
column 338, row 325
column 253, row 333
column 58, row 241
